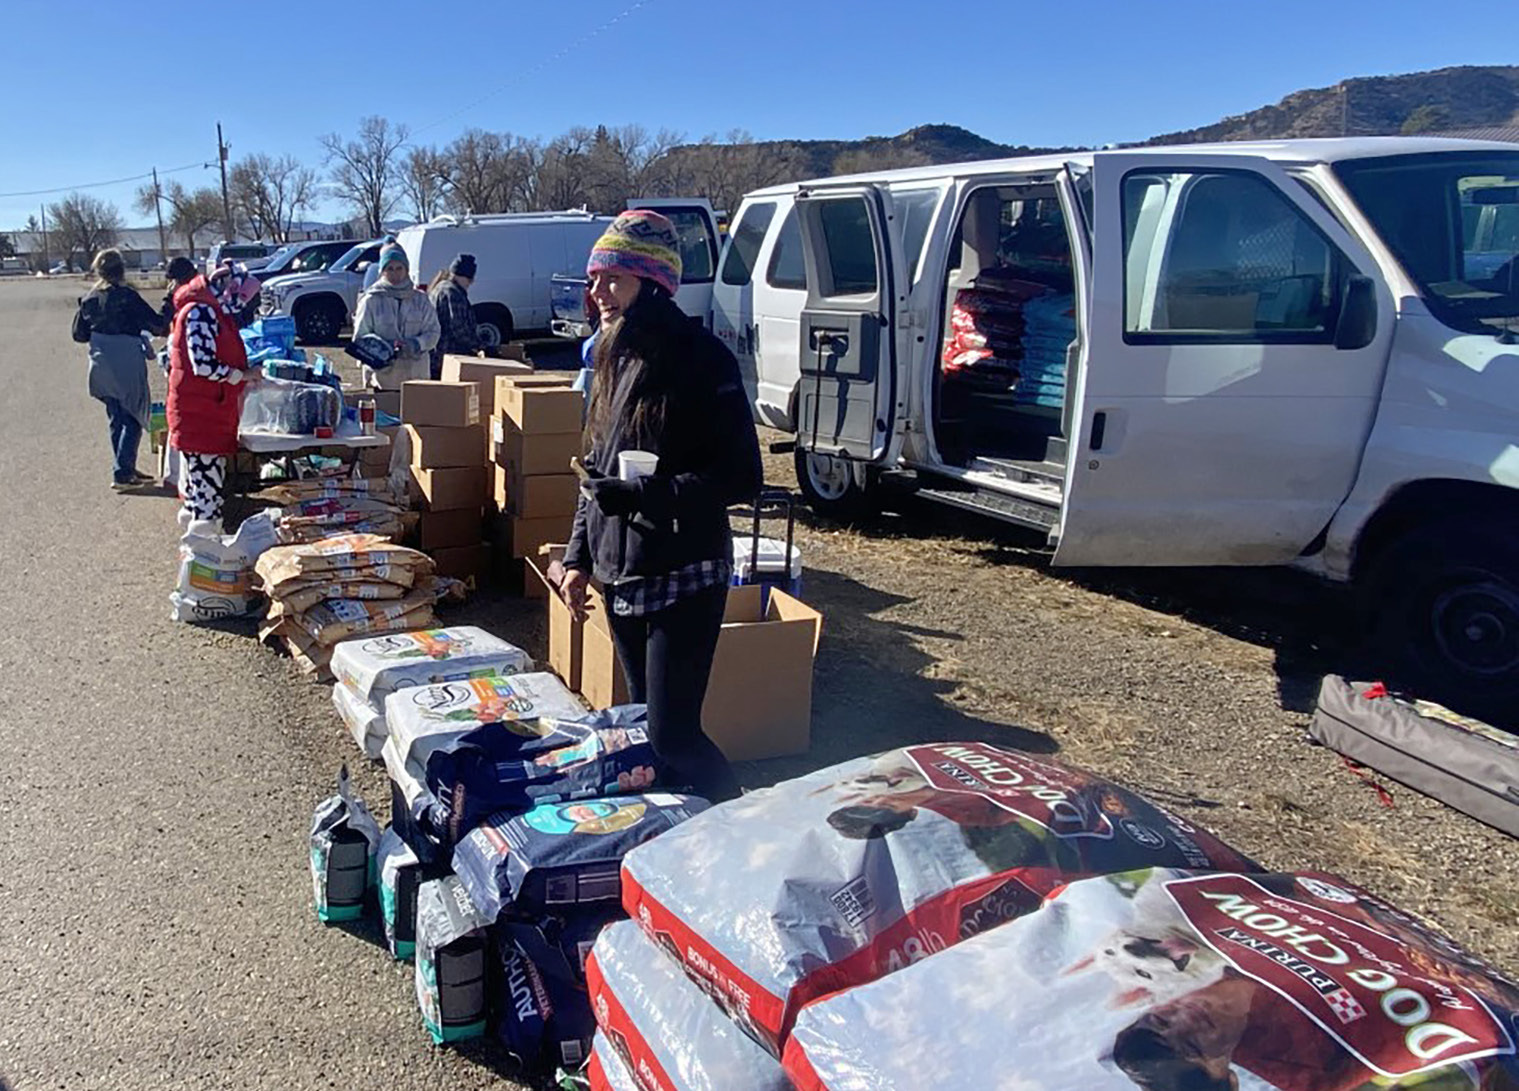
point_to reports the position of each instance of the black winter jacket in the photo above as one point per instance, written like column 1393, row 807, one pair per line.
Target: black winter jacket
column 116, row 310
column 708, row 460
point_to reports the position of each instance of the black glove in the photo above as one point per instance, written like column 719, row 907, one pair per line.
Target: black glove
column 614, row 496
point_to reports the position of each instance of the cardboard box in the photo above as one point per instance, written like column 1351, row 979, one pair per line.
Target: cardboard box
column 580, row 652
column 519, row 537
column 539, row 409
column 462, row 562
column 447, row 529
column 541, row 496
column 442, row 448
column 386, row 401
column 448, row 489
column 440, row 404
column 483, row 373
column 759, row 698
column 532, row 456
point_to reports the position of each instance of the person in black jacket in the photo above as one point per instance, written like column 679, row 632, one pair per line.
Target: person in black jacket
column 660, row 544
column 112, row 320
column 450, row 295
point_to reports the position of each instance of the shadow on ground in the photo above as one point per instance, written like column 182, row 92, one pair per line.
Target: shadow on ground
column 871, row 691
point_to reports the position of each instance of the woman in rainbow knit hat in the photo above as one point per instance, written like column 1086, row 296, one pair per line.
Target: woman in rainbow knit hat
column 659, row 542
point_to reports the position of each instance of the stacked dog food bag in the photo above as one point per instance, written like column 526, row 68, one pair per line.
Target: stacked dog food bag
column 324, row 592
column 321, row 507
column 843, row 877
column 511, row 811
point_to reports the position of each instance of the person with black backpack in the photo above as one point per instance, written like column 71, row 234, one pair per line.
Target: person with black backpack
column 112, row 320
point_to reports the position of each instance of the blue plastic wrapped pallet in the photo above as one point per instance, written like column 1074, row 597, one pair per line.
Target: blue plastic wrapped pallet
column 275, row 329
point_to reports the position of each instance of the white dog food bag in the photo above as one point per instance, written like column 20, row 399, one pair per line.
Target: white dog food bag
column 1168, row 979
column 377, row 667
column 855, row 871
column 662, row 1026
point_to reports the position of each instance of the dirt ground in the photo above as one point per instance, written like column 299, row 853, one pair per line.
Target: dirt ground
column 174, row 769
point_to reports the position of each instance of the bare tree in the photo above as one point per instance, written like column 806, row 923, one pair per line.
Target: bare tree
column 82, row 225
column 367, row 171
column 268, row 194
column 477, row 172
column 560, row 177
column 424, row 181
column 190, row 212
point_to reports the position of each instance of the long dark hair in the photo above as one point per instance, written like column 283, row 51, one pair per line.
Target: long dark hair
column 636, row 353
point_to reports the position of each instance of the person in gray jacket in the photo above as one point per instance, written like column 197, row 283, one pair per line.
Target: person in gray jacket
column 395, row 310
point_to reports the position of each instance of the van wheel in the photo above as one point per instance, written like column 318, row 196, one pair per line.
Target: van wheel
column 1442, row 606
column 833, row 487
column 320, row 321
column 493, row 325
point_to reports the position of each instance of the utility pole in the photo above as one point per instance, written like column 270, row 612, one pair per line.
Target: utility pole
column 47, row 262
column 163, row 245
column 221, row 155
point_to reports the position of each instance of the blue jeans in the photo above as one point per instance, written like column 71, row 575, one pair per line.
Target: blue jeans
column 126, row 434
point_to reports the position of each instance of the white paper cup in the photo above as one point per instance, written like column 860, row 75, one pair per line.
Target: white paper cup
column 631, row 465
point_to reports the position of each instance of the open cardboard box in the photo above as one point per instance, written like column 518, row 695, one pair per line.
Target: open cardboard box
column 759, row 699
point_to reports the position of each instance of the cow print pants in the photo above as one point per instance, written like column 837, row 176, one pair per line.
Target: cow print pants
column 202, row 480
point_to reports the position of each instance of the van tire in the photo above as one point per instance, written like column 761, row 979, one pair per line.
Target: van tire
column 1441, row 605
column 834, row 488
column 319, row 321
column 493, row 325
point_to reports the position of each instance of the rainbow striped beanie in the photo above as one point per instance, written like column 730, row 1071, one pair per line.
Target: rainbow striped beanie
column 640, row 242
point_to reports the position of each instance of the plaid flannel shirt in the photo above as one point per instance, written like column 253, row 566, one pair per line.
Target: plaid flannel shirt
column 457, row 321
column 641, row 595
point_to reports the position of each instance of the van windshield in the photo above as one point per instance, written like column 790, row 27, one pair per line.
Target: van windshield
column 1452, row 220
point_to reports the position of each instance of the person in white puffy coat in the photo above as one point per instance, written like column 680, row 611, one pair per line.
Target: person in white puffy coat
column 395, row 310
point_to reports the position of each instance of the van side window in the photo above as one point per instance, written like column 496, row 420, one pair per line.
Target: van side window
column 696, row 248
column 849, row 245
column 744, row 242
column 914, row 209
column 1224, row 257
column 787, row 269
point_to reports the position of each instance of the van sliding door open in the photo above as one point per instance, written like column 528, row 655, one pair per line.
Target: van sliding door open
column 1236, row 341
column 849, row 398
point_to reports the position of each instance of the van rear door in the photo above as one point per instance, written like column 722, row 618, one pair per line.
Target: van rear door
column 850, row 396
column 696, row 226
column 1235, row 346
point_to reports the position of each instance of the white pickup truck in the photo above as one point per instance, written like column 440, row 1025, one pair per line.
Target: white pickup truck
column 321, row 302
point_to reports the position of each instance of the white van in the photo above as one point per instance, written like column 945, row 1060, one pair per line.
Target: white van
column 1238, row 354
column 519, row 254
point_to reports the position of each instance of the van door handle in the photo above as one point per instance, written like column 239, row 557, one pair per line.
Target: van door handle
column 1099, row 430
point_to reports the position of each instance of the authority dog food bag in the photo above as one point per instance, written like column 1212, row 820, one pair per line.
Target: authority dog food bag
column 414, row 812
column 374, row 669
column 560, row 855
column 423, row 719
column 502, row 767
column 1165, row 979
column 560, row 943
column 663, row 1027
column 853, row 872
column 344, row 838
column 542, row 1020
column 453, row 955
column 364, row 722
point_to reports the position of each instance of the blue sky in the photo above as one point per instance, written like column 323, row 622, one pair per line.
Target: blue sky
column 101, row 90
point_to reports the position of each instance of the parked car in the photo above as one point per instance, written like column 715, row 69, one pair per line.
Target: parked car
column 698, row 228
column 1242, row 354
column 303, row 257
column 323, row 302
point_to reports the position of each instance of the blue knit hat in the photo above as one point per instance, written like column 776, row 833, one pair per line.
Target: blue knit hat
column 643, row 243
column 392, row 253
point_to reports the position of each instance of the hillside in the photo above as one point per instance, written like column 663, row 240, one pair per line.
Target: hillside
column 1446, row 98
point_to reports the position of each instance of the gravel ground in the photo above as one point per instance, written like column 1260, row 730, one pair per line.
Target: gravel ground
column 157, row 927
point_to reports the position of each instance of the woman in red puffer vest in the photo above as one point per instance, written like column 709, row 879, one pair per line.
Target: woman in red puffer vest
column 207, row 368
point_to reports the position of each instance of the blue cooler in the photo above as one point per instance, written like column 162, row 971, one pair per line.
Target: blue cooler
column 770, row 562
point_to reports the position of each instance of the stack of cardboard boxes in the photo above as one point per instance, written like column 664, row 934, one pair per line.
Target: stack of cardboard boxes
column 445, row 437
column 536, row 431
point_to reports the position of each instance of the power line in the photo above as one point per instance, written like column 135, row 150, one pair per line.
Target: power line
column 99, row 185
column 523, row 74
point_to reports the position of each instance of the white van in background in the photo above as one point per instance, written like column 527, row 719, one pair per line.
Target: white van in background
column 1238, row 354
column 518, row 255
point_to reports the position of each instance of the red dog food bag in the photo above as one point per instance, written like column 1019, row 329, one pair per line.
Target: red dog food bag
column 1169, row 980
column 853, row 872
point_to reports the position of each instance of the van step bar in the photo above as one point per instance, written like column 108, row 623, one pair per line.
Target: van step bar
column 1023, row 471
column 1009, row 509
